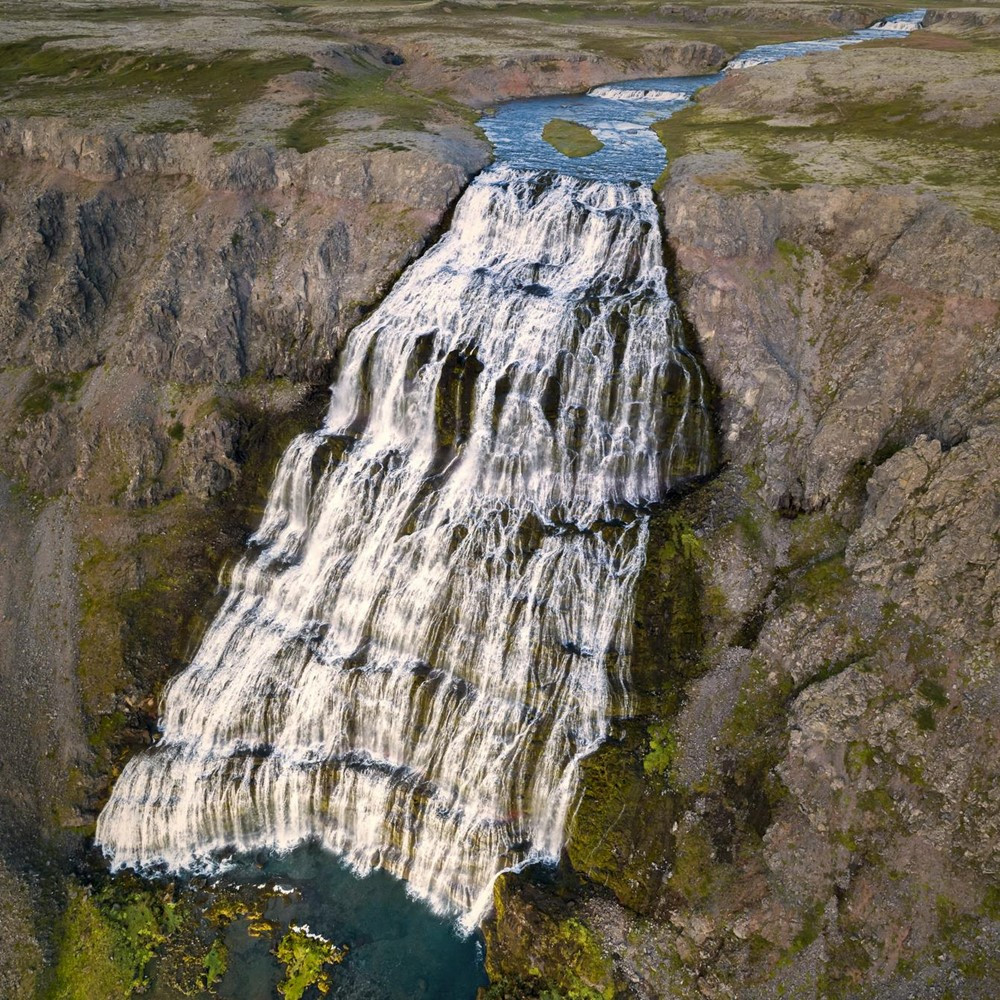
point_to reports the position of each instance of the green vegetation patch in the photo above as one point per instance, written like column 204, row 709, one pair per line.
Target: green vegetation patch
column 306, row 957
column 662, row 750
column 44, row 391
column 105, row 940
column 571, row 138
column 61, row 78
column 376, row 92
column 536, row 948
column 216, row 962
column 691, row 130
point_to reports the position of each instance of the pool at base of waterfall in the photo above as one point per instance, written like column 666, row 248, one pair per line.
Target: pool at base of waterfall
column 398, row 949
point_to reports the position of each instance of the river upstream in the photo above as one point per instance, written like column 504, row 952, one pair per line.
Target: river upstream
column 431, row 626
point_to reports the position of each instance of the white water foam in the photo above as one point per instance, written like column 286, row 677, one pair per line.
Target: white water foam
column 623, row 92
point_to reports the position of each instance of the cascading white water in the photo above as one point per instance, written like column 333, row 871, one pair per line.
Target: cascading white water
column 610, row 92
column 434, row 620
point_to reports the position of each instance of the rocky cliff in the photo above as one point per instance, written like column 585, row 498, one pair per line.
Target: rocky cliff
column 170, row 316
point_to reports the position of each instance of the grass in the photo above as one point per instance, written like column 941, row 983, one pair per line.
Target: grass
column 374, row 92
column 58, row 78
column 691, row 130
column 851, row 139
column 106, row 940
column 571, row 138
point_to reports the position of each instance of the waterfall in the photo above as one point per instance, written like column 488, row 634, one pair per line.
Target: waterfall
column 432, row 623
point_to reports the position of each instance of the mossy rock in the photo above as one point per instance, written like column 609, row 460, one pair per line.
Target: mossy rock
column 537, row 945
column 106, row 937
column 306, row 958
column 571, row 138
column 669, row 630
column 620, row 835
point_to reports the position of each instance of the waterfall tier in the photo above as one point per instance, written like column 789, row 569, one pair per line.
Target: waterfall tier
column 432, row 623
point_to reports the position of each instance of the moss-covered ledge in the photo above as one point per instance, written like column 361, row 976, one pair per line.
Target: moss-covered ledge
column 537, row 945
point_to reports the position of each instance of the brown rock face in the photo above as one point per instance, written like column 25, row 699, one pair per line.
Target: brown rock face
column 839, row 323
column 169, row 316
column 530, row 74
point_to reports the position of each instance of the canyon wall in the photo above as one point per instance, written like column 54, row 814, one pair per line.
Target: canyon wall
column 171, row 316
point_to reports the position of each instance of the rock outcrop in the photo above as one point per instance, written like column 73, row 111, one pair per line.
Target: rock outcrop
column 170, row 315
column 877, row 324
column 533, row 73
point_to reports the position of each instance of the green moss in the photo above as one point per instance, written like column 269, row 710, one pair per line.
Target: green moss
column 571, row 138
column 878, row 800
column 537, row 946
column 857, row 757
column 374, row 91
column 924, row 717
column 695, row 871
column 587, row 964
column 991, row 902
column 21, row 958
column 669, row 624
column 933, row 692
column 620, row 833
column 106, row 939
column 821, row 582
column 790, row 252
column 44, row 391
column 662, row 750
column 750, row 527
column 65, row 78
column 216, row 963
column 815, row 537
column 306, row 958
column 812, row 924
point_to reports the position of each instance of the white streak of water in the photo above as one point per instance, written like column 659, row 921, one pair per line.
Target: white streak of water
column 434, row 620
column 624, row 92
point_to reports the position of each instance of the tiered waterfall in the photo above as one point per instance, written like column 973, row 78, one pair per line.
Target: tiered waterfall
column 432, row 622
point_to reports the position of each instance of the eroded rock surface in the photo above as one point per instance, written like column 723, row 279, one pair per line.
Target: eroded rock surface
column 879, row 321
column 170, row 315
